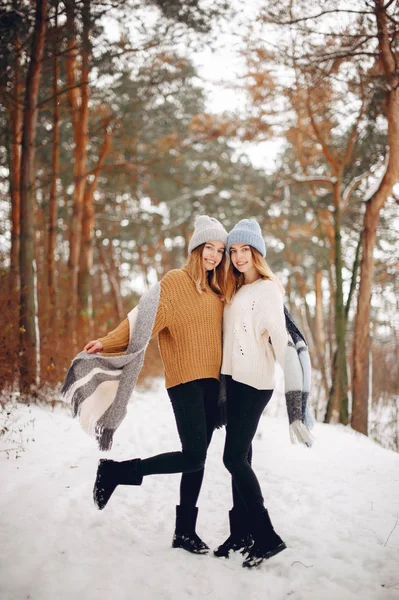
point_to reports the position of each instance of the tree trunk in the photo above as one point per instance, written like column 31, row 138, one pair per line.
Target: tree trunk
column 143, row 266
column 15, row 174
column 330, row 321
column 55, row 159
column 320, row 340
column 86, row 260
column 28, row 339
column 355, row 270
column 79, row 104
column 361, row 340
column 110, row 269
column 319, row 313
column 88, row 226
column 337, row 409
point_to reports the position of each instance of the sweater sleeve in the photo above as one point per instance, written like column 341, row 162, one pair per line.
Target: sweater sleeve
column 117, row 340
column 272, row 321
column 164, row 316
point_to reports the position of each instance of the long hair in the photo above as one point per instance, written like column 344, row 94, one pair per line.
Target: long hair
column 203, row 279
column 235, row 279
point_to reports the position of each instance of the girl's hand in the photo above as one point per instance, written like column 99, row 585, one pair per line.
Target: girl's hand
column 94, row 346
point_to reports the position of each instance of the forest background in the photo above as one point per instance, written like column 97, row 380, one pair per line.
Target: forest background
column 121, row 121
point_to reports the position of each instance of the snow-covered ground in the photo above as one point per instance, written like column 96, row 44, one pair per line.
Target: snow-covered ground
column 335, row 505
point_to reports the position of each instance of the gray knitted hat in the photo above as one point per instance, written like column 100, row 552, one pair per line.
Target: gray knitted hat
column 247, row 231
column 205, row 230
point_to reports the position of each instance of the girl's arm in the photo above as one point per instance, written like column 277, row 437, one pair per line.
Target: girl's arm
column 117, row 340
column 272, row 322
column 94, row 346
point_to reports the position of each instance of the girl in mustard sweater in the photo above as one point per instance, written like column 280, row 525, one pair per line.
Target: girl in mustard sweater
column 254, row 336
column 188, row 324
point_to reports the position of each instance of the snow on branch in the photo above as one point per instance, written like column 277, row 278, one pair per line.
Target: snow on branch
column 374, row 187
column 313, row 179
column 317, row 16
column 356, row 181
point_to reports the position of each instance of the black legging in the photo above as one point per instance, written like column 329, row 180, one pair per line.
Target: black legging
column 195, row 408
column 245, row 405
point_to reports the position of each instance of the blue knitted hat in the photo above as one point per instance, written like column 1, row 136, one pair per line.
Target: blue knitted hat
column 207, row 229
column 247, row 231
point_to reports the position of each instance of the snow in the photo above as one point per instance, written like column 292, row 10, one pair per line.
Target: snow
column 335, row 505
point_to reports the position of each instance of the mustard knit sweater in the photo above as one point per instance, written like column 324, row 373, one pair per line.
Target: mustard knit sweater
column 189, row 329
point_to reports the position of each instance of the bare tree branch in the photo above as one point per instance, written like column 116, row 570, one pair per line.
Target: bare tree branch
column 326, row 151
column 317, row 16
column 307, row 179
column 354, row 134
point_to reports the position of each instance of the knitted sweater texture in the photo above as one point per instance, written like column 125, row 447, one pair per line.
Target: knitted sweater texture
column 189, row 329
column 255, row 315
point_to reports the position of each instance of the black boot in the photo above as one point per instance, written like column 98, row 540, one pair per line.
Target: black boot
column 266, row 541
column 185, row 536
column 240, row 539
column 110, row 474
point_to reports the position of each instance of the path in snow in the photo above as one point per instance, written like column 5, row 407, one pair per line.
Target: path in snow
column 334, row 505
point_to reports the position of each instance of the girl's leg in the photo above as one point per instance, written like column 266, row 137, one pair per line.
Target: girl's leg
column 185, row 535
column 188, row 406
column 245, row 405
column 240, row 538
column 244, row 408
column 238, row 503
column 191, row 483
column 239, row 413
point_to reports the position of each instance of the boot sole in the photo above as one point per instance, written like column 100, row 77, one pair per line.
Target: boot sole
column 277, row 550
column 266, row 556
column 192, row 551
column 241, row 550
column 98, row 499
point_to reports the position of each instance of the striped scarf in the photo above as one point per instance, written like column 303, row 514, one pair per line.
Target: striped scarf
column 99, row 386
column 297, row 372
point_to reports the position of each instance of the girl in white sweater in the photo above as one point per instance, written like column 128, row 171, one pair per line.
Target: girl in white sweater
column 254, row 337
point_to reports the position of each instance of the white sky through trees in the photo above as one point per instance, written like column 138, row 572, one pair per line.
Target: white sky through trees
column 220, row 67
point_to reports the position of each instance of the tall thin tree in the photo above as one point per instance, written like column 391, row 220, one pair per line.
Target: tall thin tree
column 388, row 59
column 55, row 159
column 15, row 155
column 29, row 337
column 78, row 97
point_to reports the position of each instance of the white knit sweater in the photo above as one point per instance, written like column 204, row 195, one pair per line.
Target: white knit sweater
column 255, row 315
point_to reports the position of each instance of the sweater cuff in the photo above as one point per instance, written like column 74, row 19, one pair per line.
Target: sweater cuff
column 118, row 339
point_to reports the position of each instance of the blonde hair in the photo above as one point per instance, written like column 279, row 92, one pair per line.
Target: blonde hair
column 235, row 280
column 203, row 279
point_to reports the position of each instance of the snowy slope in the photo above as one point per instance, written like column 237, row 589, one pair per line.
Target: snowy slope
column 335, row 506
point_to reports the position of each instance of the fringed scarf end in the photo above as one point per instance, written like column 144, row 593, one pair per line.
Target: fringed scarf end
column 76, row 402
column 69, row 381
column 104, row 438
column 308, row 419
column 300, row 434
